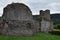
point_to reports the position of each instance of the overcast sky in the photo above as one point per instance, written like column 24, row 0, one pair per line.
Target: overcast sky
column 34, row 5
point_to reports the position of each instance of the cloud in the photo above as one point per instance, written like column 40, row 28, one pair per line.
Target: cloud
column 35, row 5
column 54, row 7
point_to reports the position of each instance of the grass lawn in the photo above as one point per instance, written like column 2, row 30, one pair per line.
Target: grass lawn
column 37, row 36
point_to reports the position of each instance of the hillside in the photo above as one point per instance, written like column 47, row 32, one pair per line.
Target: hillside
column 55, row 18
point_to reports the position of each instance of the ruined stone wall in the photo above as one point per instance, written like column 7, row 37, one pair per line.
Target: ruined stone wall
column 51, row 26
column 17, row 19
column 26, row 28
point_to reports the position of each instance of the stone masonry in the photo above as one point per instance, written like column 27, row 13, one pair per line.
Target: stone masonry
column 46, row 25
column 17, row 20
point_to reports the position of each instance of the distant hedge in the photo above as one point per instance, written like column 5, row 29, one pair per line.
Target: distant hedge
column 55, row 31
column 57, row 26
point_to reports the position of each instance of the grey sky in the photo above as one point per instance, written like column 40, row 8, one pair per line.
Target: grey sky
column 35, row 5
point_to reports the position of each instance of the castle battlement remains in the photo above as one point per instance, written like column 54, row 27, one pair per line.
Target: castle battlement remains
column 17, row 19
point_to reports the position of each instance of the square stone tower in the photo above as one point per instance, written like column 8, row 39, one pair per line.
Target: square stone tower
column 45, row 14
column 46, row 23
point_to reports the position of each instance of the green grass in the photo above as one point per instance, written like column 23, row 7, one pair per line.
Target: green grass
column 37, row 36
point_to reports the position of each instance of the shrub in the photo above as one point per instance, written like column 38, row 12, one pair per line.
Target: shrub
column 57, row 26
column 56, row 32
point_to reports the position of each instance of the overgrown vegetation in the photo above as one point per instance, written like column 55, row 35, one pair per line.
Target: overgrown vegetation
column 55, row 32
column 57, row 26
column 56, row 29
column 37, row 36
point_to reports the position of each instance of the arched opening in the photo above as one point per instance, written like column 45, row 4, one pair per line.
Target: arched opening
column 29, row 25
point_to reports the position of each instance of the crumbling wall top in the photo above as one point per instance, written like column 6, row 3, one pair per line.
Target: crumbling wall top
column 17, row 11
column 45, row 14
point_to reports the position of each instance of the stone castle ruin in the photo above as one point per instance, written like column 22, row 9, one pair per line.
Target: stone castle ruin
column 17, row 19
column 44, row 20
